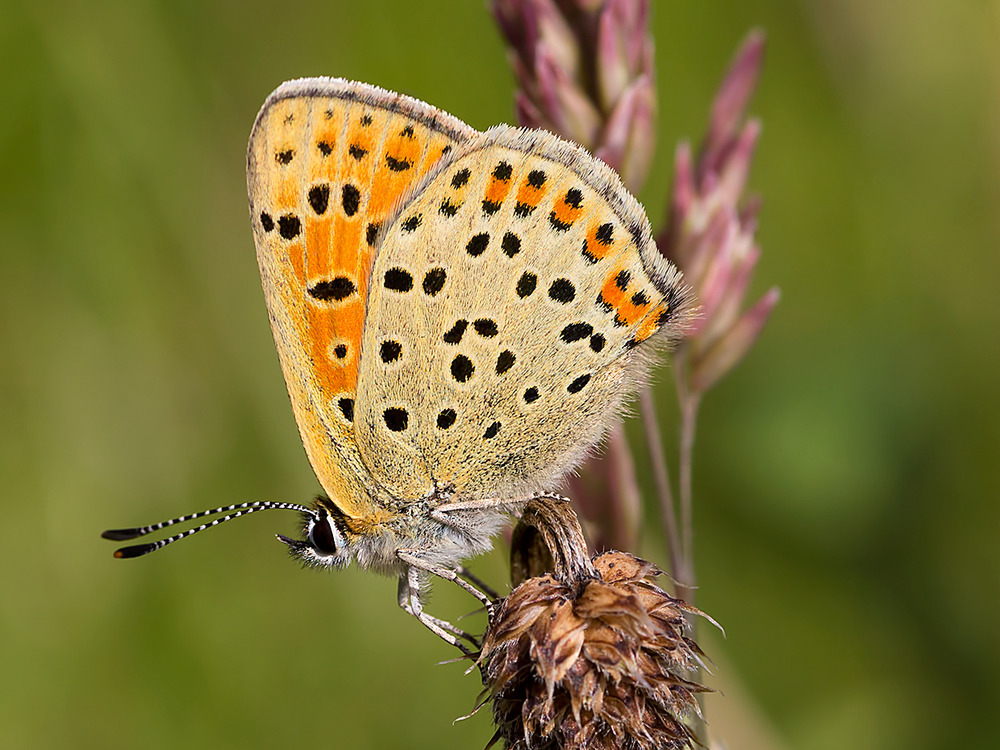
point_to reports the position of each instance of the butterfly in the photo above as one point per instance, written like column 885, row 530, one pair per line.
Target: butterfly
column 459, row 317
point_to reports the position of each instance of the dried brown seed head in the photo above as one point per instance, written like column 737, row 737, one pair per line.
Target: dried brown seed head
column 592, row 662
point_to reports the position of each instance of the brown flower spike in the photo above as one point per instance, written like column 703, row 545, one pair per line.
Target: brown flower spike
column 592, row 655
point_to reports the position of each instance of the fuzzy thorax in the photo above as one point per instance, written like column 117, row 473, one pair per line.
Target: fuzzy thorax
column 441, row 536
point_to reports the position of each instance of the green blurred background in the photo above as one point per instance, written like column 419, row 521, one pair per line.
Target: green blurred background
column 847, row 516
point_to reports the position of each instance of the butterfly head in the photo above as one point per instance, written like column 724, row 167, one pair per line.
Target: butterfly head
column 327, row 537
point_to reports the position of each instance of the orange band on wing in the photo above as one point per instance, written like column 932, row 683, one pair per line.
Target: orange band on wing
column 567, row 210
column 338, row 246
column 613, row 290
column 600, row 242
column 402, row 150
column 632, row 308
column 530, row 192
column 345, row 257
column 318, row 244
column 629, row 307
column 344, row 322
column 651, row 323
column 498, row 188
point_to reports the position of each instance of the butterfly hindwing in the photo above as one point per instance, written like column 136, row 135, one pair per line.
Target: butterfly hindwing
column 328, row 161
column 508, row 299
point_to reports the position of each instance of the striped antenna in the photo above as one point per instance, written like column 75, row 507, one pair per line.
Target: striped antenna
column 231, row 511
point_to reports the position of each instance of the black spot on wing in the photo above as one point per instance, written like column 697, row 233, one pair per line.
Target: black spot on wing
column 536, row 178
column 462, row 368
column 562, row 291
column 396, row 419
column 390, row 351
column 454, row 334
column 605, row 234
column 398, row 280
column 510, row 244
column 350, row 199
column 578, row 384
column 333, row 290
column 486, row 327
column 319, row 198
column 526, row 284
column 505, row 361
column 346, row 406
column 477, row 244
column 289, row 226
column 575, row 332
column 639, row 299
column 434, row 281
column 397, row 165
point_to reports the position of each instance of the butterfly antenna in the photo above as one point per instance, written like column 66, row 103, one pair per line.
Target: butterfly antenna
column 231, row 511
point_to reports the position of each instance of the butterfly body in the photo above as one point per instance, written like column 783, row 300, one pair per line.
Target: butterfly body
column 442, row 539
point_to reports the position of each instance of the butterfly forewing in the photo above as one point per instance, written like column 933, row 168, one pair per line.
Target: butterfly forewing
column 507, row 301
column 328, row 161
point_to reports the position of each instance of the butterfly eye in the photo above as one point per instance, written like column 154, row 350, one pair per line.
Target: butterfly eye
column 324, row 536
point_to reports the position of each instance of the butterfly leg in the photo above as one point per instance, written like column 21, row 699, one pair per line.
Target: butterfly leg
column 477, row 582
column 454, row 514
column 508, row 505
column 451, row 513
column 413, row 559
column 409, row 600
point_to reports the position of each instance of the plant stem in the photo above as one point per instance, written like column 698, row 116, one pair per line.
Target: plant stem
column 689, row 402
column 625, row 503
column 661, row 479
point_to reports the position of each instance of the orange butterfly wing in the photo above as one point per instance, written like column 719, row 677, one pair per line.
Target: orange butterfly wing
column 327, row 163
